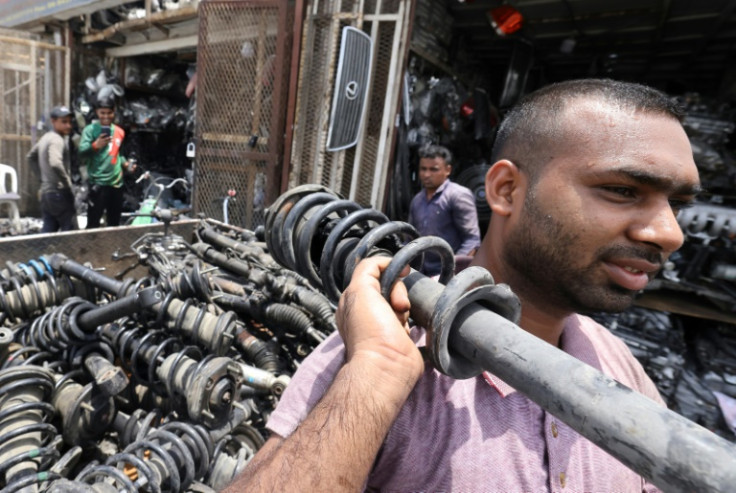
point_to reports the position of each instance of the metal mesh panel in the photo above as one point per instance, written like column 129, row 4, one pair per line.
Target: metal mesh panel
column 242, row 65
column 33, row 79
column 368, row 161
column 315, row 78
column 351, row 171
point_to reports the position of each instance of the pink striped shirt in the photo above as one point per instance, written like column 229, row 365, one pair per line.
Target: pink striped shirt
column 479, row 434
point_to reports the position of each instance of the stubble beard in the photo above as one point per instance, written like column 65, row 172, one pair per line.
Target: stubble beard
column 541, row 260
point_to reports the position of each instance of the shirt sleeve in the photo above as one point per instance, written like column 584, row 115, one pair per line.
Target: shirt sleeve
column 56, row 161
column 85, row 143
column 465, row 217
column 309, row 384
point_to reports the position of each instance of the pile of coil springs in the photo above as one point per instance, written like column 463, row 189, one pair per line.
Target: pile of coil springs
column 157, row 383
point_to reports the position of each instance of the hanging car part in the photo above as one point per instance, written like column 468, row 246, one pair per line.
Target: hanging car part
column 351, row 89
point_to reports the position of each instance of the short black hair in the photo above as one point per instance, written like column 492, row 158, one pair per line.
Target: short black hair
column 108, row 102
column 432, row 151
column 534, row 124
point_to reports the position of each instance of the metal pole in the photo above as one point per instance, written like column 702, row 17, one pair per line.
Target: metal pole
column 672, row 452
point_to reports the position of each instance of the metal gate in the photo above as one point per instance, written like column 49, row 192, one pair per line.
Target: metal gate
column 34, row 77
column 242, row 73
column 360, row 172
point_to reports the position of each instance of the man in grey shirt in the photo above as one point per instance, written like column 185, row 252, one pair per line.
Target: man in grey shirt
column 50, row 157
column 443, row 208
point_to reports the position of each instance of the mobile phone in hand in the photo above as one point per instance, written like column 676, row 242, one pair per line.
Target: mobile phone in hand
column 105, row 132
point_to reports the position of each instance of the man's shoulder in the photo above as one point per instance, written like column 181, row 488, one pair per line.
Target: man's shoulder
column 613, row 357
column 457, row 189
column 50, row 138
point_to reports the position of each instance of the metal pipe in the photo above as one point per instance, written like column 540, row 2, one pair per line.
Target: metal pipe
column 672, row 452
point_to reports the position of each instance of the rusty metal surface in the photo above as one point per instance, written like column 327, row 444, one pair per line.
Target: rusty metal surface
column 95, row 246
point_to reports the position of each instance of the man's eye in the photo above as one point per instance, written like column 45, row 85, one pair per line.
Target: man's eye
column 622, row 191
column 679, row 205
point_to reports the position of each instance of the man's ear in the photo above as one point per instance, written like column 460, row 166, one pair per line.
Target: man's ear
column 502, row 180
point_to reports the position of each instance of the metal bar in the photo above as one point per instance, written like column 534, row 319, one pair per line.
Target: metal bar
column 389, row 111
column 260, row 61
column 320, row 154
column 359, row 158
column 163, row 17
column 153, row 47
column 672, row 452
column 122, row 307
column 68, row 64
column 299, row 128
column 292, row 93
column 30, row 42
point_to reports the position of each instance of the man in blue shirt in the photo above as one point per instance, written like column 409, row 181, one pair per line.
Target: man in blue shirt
column 443, row 208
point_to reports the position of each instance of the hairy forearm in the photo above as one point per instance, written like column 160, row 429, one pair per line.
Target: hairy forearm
column 335, row 446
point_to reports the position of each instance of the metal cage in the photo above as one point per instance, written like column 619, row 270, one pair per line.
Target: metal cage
column 34, row 77
column 242, row 70
column 359, row 172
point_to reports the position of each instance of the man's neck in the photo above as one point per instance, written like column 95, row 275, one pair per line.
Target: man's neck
column 430, row 192
column 543, row 321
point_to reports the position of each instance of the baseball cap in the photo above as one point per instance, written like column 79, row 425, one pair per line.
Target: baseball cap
column 60, row 112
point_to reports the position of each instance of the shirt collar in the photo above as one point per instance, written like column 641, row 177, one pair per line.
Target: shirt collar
column 441, row 188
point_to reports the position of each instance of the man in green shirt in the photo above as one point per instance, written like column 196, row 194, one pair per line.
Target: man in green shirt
column 99, row 151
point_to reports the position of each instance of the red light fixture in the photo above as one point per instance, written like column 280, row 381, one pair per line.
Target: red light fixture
column 505, row 19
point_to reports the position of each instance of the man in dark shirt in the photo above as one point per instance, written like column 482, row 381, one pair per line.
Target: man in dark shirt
column 50, row 156
column 443, row 208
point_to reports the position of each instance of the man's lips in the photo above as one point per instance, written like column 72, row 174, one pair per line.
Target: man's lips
column 631, row 273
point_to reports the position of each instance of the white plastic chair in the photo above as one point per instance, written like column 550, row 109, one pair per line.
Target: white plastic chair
column 9, row 192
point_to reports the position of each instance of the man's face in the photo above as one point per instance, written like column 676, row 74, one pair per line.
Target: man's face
column 105, row 115
column 601, row 219
column 433, row 172
column 63, row 125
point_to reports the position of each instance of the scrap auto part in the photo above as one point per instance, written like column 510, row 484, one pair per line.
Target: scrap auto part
column 672, row 452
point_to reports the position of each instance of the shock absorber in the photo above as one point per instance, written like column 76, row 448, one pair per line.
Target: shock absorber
column 27, row 439
column 76, row 320
column 169, row 458
column 206, row 386
column 214, row 332
column 86, row 410
column 229, row 447
column 471, row 327
column 26, row 290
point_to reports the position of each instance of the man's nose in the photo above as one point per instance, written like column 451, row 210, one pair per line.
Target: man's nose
column 659, row 227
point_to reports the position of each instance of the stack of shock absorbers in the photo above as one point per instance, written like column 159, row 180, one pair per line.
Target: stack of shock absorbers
column 165, row 382
column 158, row 383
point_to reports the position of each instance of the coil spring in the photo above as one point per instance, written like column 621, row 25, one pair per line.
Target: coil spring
column 192, row 320
column 27, row 439
column 141, row 352
column 168, row 458
column 313, row 231
column 144, row 357
column 57, row 329
column 713, row 220
column 30, row 288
